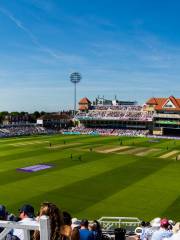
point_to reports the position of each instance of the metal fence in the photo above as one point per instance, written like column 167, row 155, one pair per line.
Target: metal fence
column 109, row 223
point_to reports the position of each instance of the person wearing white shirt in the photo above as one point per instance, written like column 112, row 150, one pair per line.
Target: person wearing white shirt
column 26, row 214
column 176, row 232
column 163, row 232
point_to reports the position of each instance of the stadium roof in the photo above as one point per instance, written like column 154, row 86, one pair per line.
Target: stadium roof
column 84, row 100
column 169, row 104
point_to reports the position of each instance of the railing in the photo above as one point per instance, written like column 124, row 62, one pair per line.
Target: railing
column 166, row 115
column 108, row 223
column 43, row 226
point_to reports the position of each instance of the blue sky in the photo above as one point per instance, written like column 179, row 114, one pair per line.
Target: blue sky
column 127, row 48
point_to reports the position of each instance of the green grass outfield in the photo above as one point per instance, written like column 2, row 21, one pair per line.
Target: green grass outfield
column 124, row 182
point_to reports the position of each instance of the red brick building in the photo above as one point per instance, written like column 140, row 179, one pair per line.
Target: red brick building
column 166, row 119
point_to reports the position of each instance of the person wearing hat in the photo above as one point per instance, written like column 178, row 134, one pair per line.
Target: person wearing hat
column 176, row 232
column 26, row 214
column 154, row 226
column 75, row 223
column 163, row 232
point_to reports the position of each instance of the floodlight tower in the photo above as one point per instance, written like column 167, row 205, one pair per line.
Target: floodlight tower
column 75, row 78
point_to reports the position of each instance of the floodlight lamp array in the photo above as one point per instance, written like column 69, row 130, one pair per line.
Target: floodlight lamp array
column 75, row 77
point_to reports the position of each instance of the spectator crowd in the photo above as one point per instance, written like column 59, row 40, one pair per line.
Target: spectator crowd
column 108, row 131
column 158, row 229
column 116, row 112
column 12, row 131
column 64, row 227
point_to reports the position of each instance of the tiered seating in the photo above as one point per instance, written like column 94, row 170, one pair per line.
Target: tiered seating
column 109, row 131
column 23, row 130
column 117, row 112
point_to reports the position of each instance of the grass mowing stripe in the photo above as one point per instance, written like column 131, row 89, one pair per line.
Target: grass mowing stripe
column 53, row 184
column 24, row 154
column 74, row 138
column 144, row 199
column 98, row 187
column 173, row 209
column 41, row 184
column 20, row 147
column 35, row 151
column 6, row 177
column 33, row 157
column 23, row 139
column 59, row 137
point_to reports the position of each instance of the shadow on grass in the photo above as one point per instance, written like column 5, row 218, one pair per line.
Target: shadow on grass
column 37, row 151
column 172, row 212
column 80, row 195
column 7, row 177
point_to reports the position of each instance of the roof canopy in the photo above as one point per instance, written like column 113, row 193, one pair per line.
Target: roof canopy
column 84, row 100
column 169, row 104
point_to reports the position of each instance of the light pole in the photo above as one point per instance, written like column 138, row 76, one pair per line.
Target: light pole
column 75, row 78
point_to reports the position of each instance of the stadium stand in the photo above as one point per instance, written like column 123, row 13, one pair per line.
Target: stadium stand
column 114, row 116
column 107, row 132
column 161, row 116
column 12, row 131
column 116, row 112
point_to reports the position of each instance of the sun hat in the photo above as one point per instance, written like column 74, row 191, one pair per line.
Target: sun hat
column 138, row 231
column 156, row 222
column 75, row 223
column 176, row 227
column 171, row 222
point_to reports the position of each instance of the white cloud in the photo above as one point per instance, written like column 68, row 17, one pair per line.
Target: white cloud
column 68, row 58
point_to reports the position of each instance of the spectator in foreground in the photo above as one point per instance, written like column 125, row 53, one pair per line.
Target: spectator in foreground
column 75, row 226
column 3, row 212
column 75, row 235
column 67, row 232
column 56, row 220
column 143, row 227
column 85, row 234
column 3, row 215
column 176, row 232
column 26, row 214
column 163, row 232
column 96, row 229
column 75, row 223
column 154, row 226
